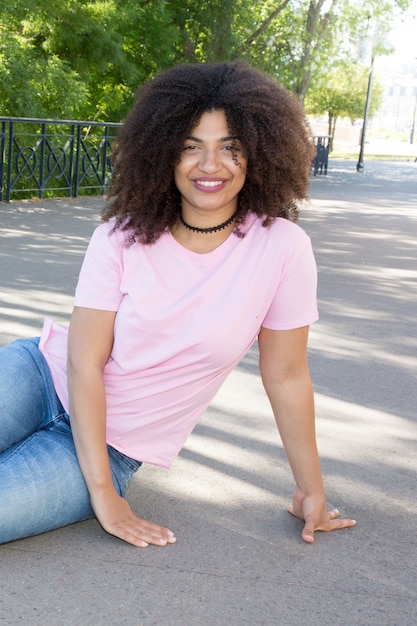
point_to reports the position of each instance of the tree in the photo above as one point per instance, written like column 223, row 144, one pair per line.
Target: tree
column 86, row 58
column 33, row 83
column 80, row 58
column 306, row 39
column 344, row 95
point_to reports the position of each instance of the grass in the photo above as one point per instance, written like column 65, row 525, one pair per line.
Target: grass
column 371, row 157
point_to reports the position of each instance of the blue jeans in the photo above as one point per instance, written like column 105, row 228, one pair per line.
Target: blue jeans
column 41, row 485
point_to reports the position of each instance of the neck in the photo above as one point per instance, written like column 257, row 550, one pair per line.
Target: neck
column 209, row 229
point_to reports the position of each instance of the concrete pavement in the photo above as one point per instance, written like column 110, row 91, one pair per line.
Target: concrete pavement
column 239, row 559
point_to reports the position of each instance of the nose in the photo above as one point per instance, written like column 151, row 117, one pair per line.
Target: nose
column 210, row 161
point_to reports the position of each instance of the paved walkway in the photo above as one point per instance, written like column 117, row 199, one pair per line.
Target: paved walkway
column 239, row 559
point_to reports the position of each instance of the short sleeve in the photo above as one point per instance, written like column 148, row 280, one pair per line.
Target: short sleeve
column 295, row 301
column 99, row 281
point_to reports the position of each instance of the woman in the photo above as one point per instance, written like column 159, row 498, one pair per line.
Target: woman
column 197, row 258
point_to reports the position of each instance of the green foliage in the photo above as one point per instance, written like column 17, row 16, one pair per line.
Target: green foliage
column 344, row 95
column 86, row 58
column 36, row 85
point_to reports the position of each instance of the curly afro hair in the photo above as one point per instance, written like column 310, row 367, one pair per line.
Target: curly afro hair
column 268, row 120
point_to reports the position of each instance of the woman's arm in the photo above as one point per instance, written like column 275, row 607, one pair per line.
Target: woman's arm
column 90, row 343
column 285, row 375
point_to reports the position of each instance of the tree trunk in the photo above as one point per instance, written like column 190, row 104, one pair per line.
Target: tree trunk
column 220, row 45
column 332, row 132
column 316, row 27
column 330, row 122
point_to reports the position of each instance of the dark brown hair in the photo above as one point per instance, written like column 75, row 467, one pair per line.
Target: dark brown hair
column 267, row 119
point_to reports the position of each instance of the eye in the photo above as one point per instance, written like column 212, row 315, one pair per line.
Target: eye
column 232, row 147
column 190, row 148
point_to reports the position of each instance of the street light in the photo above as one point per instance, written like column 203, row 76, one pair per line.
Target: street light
column 414, row 120
column 374, row 44
column 414, row 117
column 359, row 165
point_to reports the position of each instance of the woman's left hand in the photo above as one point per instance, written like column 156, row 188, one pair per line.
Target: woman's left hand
column 313, row 511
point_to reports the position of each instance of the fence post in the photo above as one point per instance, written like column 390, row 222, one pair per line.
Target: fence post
column 71, row 160
column 2, row 157
column 77, row 163
column 42, row 160
column 104, row 160
column 9, row 161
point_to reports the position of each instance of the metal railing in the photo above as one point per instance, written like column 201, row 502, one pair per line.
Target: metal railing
column 40, row 157
column 54, row 157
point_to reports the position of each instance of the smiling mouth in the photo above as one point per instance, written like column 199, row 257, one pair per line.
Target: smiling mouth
column 209, row 183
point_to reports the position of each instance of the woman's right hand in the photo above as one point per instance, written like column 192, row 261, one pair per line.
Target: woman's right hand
column 89, row 347
column 117, row 518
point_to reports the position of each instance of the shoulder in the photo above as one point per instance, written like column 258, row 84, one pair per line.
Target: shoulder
column 291, row 229
column 106, row 236
column 281, row 232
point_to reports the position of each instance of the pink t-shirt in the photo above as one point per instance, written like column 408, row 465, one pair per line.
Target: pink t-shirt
column 184, row 320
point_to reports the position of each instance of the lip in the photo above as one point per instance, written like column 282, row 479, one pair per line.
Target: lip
column 209, row 185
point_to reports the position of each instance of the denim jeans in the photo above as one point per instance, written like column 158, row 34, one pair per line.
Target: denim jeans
column 41, row 485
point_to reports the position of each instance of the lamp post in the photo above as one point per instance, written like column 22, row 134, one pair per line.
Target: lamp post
column 414, row 117
column 414, row 120
column 374, row 41
column 359, row 165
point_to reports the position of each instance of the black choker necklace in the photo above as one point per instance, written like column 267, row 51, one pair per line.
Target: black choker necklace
column 210, row 229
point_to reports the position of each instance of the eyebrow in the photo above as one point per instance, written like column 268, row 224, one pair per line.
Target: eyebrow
column 221, row 140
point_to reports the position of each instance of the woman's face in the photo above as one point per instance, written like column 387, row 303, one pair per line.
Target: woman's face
column 211, row 170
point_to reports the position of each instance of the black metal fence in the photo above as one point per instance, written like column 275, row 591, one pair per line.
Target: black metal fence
column 68, row 158
column 54, row 157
